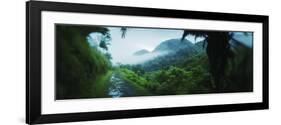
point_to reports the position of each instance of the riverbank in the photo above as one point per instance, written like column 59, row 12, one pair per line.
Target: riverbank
column 101, row 85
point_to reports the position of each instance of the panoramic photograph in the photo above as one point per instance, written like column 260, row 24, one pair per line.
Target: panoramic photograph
column 95, row 61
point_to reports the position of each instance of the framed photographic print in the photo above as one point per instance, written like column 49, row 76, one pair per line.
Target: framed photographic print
column 94, row 62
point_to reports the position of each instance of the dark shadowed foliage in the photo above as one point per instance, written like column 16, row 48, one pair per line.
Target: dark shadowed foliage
column 77, row 64
column 219, row 54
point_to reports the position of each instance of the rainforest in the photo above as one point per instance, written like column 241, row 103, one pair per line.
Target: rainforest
column 117, row 61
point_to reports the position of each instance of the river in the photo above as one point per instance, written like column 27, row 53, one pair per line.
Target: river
column 119, row 88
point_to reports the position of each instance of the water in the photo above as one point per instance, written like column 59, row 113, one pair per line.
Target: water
column 119, row 88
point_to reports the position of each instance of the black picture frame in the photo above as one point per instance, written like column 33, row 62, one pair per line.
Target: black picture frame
column 33, row 61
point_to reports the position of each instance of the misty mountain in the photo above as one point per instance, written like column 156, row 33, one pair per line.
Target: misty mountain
column 200, row 46
column 141, row 52
column 173, row 45
column 179, row 51
column 169, row 46
column 169, row 52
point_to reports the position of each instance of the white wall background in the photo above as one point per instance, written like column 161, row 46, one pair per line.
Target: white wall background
column 12, row 63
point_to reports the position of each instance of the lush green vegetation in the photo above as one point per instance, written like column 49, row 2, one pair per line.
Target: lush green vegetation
column 189, row 77
column 83, row 71
column 136, row 81
column 78, row 65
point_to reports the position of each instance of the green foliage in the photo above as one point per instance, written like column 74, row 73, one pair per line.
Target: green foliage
column 132, row 77
column 138, row 69
column 239, row 71
column 78, row 66
column 188, row 76
column 176, row 80
column 100, row 88
column 104, row 42
column 103, row 45
column 84, row 72
column 137, row 82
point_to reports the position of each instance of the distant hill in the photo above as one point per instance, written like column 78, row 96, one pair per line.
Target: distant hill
column 141, row 52
column 169, row 52
column 173, row 45
column 176, row 52
column 168, row 46
column 200, row 46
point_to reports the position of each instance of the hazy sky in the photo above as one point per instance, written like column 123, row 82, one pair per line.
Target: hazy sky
column 138, row 38
column 122, row 49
